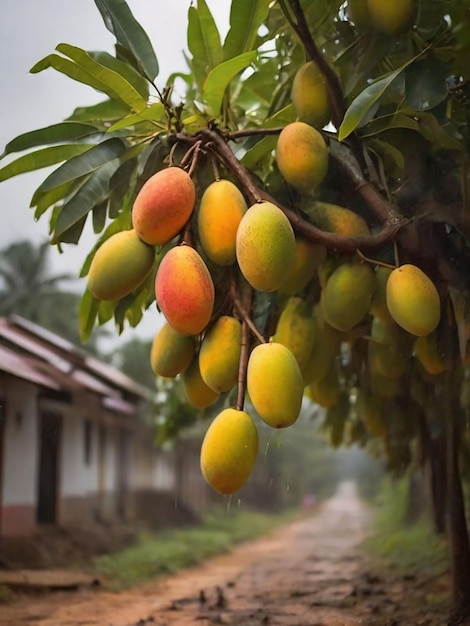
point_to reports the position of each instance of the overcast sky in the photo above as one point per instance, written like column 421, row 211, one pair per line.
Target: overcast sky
column 28, row 32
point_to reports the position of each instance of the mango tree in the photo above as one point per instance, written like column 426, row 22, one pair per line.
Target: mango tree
column 300, row 217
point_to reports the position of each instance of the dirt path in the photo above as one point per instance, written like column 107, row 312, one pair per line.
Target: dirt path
column 305, row 574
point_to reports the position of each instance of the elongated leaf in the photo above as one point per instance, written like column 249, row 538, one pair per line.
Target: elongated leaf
column 219, row 78
column 154, row 113
column 139, row 83
column 41, row 158
column 85, row 163
column 87, row 315
column 246, row 17
column 99, row 213
column 203, row 41
column 368, row 98
column 106, row 111
column 57, row 133
column 111, row 79
column 425, row 84
column 120, row 21
column 43, row 201
column 363, row 103
column 92, row 193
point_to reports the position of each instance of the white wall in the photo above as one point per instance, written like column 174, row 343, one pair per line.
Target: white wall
column 21, row 450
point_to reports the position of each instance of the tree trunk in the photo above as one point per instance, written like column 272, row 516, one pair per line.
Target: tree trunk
column 438, row 473
column 457, row 527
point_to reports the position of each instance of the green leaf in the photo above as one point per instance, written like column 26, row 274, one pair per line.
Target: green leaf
column 426, row 84
column 203, row 40
column 106, row 111
column 41, row 158
column 99, row 214
column 120, row 186
column 219, row 78
column 246, row 17
column 139, row 83
column 154, row 113
column 43, row 201
column 364, row 102
column 112, row 81
column 88, row 311
column 85, row 163
column 57, row 133
column 92, row 193
column 120, row 21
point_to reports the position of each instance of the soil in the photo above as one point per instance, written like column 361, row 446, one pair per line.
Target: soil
column 309, row 573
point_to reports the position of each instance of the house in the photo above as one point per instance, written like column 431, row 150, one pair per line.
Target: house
column 76, row 445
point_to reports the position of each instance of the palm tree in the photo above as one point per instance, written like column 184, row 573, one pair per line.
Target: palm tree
column 27, row 288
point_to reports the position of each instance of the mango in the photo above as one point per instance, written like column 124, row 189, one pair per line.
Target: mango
column 430, row 354
column 347, row 295
column 196, row 392
column 308, row 258
column 171, row 353
column 370, row 409
column 220, row 211
column 310, row 96
column 413, row 300
column 229, row 451
column 119, row 266
column 184, row 290
column 390, row 349
column 219, row 354
column 336, row 219
column 378, row 306
column 358, row 12
column 326, row 391
column 274, row 384
column 302, row 156
column 392, row 18
column 163, row 205
column 295, row 329
column 326, row 347
column 265, row 246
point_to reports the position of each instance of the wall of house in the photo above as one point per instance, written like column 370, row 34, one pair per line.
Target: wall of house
column 18, row 491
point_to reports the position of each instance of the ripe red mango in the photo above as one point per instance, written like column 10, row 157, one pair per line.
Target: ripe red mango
column 163, row 205
column 184, row 290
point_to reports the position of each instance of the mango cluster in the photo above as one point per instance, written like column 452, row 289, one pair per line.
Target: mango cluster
column 206, row 246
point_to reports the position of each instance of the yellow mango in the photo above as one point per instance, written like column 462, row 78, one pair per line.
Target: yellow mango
column 275, row 384
column 220, row 212
column 265, row 246
column 326, row 391
column 325, row 348
column 229, row 451
column 392, row 18
column 171, row 353
column 347, row 295
column 378, row 305
column 119, row 266
column 430, row 354
column 310, row 96
column 295, row 329
column 308, row 257
column 390, row 349
column 370, row 409
column 219, row 355
column 302, row 156
column 358, row 12
column 413, row 300
column 336, row 219
column 196, row 392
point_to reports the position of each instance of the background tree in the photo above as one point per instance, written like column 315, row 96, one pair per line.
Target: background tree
column 393, row 151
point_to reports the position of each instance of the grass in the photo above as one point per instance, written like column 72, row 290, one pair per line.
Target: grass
column 407, row 548
column 170, row 550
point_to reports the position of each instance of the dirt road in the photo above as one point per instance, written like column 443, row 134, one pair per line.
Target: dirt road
column 306, row 574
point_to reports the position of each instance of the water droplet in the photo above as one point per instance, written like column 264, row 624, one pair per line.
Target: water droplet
column 229, row 504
